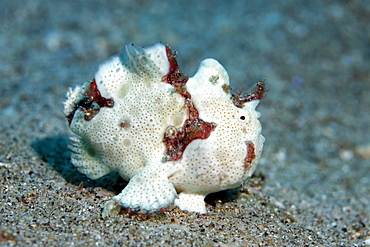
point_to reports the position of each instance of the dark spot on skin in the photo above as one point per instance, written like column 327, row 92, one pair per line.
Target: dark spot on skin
column 250, row 154
column 175, row 77
column 125, row 125
column 177, row 139
column 255, row 94
column 91, row 151
column 226, row 88
column 92, row 95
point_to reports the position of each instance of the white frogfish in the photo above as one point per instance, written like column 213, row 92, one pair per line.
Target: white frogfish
column 174, row 138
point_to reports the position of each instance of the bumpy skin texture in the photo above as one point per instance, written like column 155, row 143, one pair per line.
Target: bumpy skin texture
column 122, row 118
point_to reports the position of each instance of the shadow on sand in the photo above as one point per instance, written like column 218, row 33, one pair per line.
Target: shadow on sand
column 54, row 150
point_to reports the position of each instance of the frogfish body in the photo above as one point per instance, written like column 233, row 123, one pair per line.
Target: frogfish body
column 174, row 138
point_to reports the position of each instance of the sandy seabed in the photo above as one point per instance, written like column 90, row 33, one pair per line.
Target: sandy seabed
column 312, row 187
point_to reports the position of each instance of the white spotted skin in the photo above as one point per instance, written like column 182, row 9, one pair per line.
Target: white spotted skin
column 128, row 137
column 216, row 163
